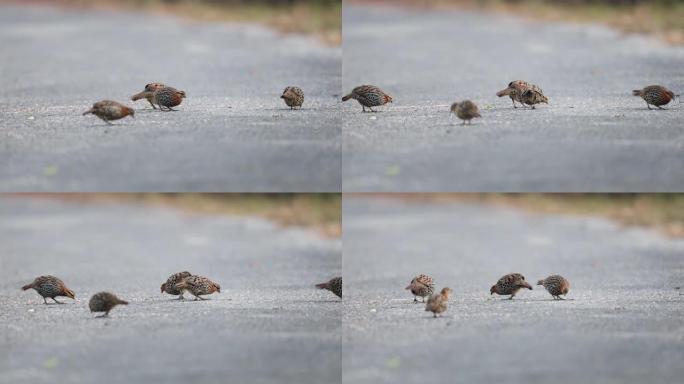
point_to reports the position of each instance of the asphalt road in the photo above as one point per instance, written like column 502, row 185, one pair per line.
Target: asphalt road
column 594, row 135
column 622, row 322
column 268, row 324
column 232, row 133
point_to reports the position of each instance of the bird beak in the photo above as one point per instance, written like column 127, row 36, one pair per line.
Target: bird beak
column 409, row 287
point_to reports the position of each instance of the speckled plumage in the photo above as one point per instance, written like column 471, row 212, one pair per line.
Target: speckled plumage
column 533, row 95
column 438, row 302
column 556, row 285
column 465, row 110
column 198, row 286
column 421, row 286
column 147, row 93
column 509, row 285
column 164, row 97
column 293, row 97
column 104, row 302
column 50, row 286
column 334, row 285
column 170, row 285
column 368, row 96
column 110, row 110
column 656, row 95
column 523, row 92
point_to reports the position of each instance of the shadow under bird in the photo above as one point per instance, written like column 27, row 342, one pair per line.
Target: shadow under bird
column 50, row 286
column 104, row 302
column 465, row 110
column 556, row 285
column 110, row 110
column 438, row 303
column 171, row 284
column 655, row 95
column 334, row 285
column 147, row 93
column 509, row 285
column 198, row 286
column 421, row 286
column 164, row 97
column 293, row 97
column 369, row 96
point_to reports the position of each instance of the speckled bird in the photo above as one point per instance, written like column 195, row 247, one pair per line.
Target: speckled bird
column 656, row 95
column 533, row 95
column 438, row 302
column 50, row 286
column 147, row 93
column 164, row 97
column 514, row 91
column 108, row 110
column 170, row 285
column 556, row 285
column 369, row 96
column 293, row 97
column 421, row 286
column 334, row 285
column 198, row 286
column 104, row 302
column 465, row 110
column 509, row 285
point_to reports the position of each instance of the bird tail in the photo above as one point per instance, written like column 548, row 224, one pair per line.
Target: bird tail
column 322, row 286
column 141, row 95
column 504, row 92
column 27, row 286
column 477, row 114
column 349, row 96
column 636, row 92
column 124, row 302
column 540, row 282
column 91, row 110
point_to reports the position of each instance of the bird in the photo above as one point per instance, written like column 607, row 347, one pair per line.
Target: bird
column 293, row 96
column 556, row 285
column 369, row 96
column 104, row 302
column 164, row 97
column 334, row 285
column 514, row 91
column 198, row 286
column 50, row 286
column 422, row 286
column 151, row 87
column 655, row 95
column 438, row 302
column 465, row 110
column 509, row 285
column 533, row 95
column 110, row 110
column 170, row 285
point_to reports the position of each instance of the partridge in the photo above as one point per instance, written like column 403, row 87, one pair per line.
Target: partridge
column 509, row 285
column 368, row 96
column 50, row 286
column 108, row 110
column 422, row 286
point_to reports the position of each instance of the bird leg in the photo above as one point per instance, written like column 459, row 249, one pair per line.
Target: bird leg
column 199, row 297
column 107, row 121
column 434, row 315
column 45, row 301
column 649, row 107
column 153, row 107
column 463, row 123
column 364, row 108
column 511, row 298
column 659, row 107
column 58, row 302
column 415, row 299
column 106, row 314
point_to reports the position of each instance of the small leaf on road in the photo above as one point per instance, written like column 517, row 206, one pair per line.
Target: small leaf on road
column 50, row 170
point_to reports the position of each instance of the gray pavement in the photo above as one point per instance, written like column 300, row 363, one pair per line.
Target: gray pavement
column 622, row 322
column 594, row 135
column 232, row 133
column 268, row 324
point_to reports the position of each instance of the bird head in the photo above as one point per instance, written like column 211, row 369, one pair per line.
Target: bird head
column 69, row 293
column 446, row 291
column 163, row 288
column 493, row 290
column 388, row 99
column 218, row 287
column 181, row 94
column 130, row 112
column 153, row 86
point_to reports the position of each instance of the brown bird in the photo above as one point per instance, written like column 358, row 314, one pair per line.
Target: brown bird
column 170, row 285
column 533, row 95
column 514, row 91
column 104, row 302
column 422, row 286
column 369, row 96
column 293, row 96
column 334, row 286
column 197, row 286
column 655, row 95
column 167, row 97
column 50, row 286
column 556, row 285
column 509, row 285
column 110, row 110
column 438, row 302
column 465, row 110
column 151, row 87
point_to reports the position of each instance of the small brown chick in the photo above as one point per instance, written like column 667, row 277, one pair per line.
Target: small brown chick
column 104, row 302
column 465, row 110
column 293, row 96
column 655, row 95
column 556, row 285
column 50, row 286
column 509, row 285
column 110, row 110
column 368, row 96
column 334, row 286
column 197, row 286
column 170, row 285
column 151, row 87
column 438, row 302
column 422, row 286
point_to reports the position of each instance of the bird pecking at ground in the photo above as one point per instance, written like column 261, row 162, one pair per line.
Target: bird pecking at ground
column 465, row 110
column 656, row 95
column 104, row 302
column 108, row 110
column 334, row 285
column 556, row 285
column 147, row 93
column 509, row 284
column 421, row 286
column 50, row 286
column 198, row 286
column 171, row 287
column 369, row 96
column 293, row 97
